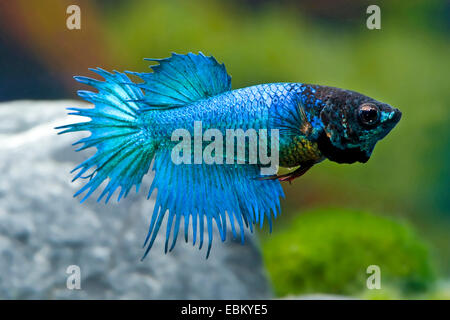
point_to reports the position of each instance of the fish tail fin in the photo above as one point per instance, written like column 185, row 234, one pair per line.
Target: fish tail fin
column 124, row 149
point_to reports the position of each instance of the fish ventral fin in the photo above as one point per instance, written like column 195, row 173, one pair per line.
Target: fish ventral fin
column 181, row 80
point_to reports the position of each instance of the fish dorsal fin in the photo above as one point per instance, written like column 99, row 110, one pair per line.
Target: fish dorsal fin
column 183, row 79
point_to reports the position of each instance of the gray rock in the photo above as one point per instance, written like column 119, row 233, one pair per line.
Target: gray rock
column 43, row 229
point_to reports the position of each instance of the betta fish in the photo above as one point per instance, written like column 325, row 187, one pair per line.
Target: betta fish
column 132, row 126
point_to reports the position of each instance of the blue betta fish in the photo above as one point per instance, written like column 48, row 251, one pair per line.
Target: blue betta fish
column 133, row 124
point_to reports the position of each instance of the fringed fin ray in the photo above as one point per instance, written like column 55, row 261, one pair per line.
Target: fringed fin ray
column 209, row 194
column 123, row 152
column 182, row 79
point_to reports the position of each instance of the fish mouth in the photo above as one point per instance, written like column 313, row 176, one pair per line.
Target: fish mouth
column 397, row 115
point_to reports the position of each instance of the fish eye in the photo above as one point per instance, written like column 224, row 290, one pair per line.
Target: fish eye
column 368, row 114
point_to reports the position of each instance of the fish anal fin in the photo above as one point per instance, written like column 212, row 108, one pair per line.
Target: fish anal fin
column 210, row 194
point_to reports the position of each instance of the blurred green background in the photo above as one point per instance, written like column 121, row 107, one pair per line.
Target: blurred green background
column 399, row 202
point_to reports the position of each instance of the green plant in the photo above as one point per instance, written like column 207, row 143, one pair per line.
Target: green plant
column 329, row 250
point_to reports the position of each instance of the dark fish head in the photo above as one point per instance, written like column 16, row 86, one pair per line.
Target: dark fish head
column 353, row 124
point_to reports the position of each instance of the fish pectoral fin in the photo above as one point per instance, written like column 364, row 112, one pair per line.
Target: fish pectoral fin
column 304, row 167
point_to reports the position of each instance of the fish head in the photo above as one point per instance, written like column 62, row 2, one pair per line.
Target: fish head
column 352, row 124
